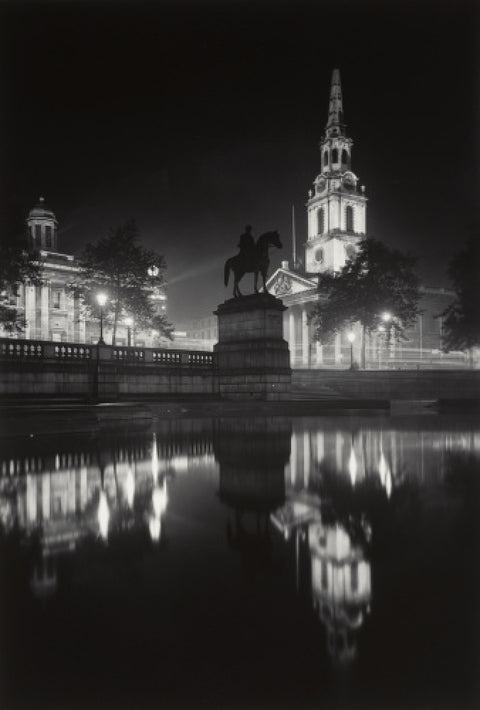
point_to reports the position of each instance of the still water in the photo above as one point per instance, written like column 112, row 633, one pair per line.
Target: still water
column 242, row 562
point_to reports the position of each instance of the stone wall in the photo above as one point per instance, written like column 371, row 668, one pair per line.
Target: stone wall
column 390, row 385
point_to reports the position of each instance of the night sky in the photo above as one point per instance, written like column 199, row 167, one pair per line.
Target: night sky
column 196, row 118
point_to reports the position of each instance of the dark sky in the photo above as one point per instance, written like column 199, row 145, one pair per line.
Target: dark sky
column 196, row 118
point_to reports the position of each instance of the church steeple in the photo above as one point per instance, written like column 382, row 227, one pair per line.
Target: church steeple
column 335, row 124
column 336, row 206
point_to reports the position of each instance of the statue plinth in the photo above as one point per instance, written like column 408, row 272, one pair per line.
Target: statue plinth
column 253, row 359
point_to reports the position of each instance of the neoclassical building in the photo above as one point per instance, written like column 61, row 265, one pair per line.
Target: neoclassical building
column 336, row 222
column 51, row 311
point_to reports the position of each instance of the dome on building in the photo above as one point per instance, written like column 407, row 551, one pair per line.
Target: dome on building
column 41, row 210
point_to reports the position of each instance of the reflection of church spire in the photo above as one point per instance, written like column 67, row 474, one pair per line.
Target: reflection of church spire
column 341, row 587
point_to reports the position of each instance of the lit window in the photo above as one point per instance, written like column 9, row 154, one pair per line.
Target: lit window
column 349, row 218
column 320, row 222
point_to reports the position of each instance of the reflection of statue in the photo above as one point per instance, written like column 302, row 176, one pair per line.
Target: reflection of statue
column 252, row 455
column 253, row 258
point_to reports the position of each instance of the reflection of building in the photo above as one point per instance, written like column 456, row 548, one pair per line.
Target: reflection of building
column 88, row 490
column 340, row 574
column 387, row 450
column 341, row 587
column 51, row 311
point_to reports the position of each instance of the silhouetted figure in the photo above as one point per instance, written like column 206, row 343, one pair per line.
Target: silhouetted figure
column 251, row 260
column 247, row 246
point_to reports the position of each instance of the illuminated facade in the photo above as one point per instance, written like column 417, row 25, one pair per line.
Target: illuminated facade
column 51, row 311
column 337, row 221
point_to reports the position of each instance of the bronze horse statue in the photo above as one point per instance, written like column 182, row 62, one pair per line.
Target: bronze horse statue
column 257, row 263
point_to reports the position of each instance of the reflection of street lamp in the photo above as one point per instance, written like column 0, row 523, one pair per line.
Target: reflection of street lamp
column 101, row 300
column 351, row 338
column 129, row 322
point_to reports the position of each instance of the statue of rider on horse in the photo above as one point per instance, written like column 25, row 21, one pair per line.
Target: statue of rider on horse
column 252, row 258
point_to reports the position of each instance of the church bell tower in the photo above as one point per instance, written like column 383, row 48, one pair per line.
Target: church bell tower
column 337, row 206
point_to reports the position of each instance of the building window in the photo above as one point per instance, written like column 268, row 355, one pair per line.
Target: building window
column 325, row 158
column 344, row 157
column 349, row 218
column 56, row 299
column 320, row 221
column 335, row 155
column 38, row 232
column 48, row 237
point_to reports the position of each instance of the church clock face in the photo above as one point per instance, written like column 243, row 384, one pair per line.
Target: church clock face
column 348, row 182
column 321, row 185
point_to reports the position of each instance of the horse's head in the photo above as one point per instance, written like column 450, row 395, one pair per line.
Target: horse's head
column 271, row 239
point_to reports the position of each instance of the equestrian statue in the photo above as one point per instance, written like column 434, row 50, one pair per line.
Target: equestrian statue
column 252, row 258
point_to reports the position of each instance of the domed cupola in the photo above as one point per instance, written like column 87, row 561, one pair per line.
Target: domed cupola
column 42, row 227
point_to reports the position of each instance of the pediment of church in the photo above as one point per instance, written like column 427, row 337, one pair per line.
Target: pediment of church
column 285, row 283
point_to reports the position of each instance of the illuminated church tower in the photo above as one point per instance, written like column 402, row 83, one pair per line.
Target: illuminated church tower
column 337, row 207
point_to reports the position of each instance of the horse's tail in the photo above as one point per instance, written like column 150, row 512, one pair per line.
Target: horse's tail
column 226, row 272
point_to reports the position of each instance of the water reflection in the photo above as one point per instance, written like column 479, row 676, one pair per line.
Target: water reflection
column 252, row 455
column 341, row 513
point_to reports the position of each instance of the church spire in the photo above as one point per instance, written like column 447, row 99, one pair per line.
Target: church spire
column 335, row 124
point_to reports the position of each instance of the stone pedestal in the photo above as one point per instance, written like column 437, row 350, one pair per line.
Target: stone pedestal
column 253, row 359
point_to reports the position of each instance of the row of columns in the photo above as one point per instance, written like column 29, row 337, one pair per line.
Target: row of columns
column 38, row 315
column 311, row 352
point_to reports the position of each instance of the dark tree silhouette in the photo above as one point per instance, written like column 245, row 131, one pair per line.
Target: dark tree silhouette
column 378, row 279
column 461, row 326
column 19, row 262
column 120, row 266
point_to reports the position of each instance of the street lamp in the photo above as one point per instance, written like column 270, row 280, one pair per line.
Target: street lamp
column 351, row 338
column 386, row 316
column 129, row 322
column 102, row 298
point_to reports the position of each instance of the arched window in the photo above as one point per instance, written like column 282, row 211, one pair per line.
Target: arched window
column 349, row 218
column 344, row 157
column 320, row 221
column 335, row 155
column 48, row 236
column 325, row 157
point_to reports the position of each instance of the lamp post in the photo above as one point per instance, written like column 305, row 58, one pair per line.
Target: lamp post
column 381, row 329
column 351, row 338
column 129, row 322
column 387, row 317
column 101, row 300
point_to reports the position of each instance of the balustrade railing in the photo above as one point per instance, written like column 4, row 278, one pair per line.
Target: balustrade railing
column 11, row 349
column 64, row 351
column 128, row 354
column 21, row 350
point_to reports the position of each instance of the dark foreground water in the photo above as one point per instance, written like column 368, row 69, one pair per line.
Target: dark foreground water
column 244, row 562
